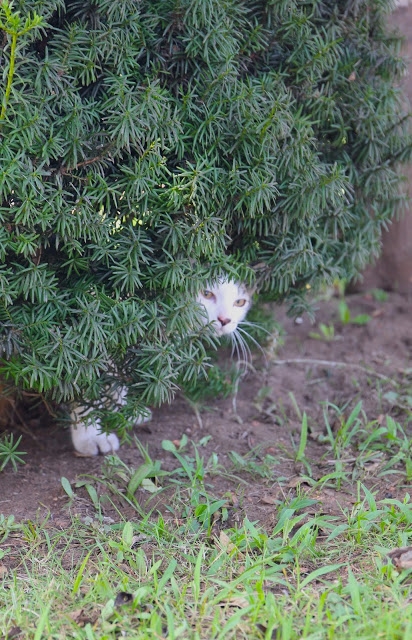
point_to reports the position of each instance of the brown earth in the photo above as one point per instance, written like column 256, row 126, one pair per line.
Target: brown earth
column 370, row 362
column 359, row 362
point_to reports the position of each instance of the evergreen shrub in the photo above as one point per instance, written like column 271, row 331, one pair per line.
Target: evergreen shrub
column 150, row 145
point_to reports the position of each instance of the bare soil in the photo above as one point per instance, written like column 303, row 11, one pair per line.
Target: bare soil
column 362, row 362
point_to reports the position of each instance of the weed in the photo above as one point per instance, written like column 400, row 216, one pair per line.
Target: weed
column 379, row 295
column 254, row 462
column 391, row 439
column 401, row 399
column 177, row 578
column 7, row 526
column 344, row 430
column 9, row 452
column 340, row 436
column 346, row 317
column 193, row 468
column 67, row 487
column 204, row 509
column 327, row 332
column 300, row 454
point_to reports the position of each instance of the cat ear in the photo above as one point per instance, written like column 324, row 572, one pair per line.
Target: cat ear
column 261, row 271
column 249, row 289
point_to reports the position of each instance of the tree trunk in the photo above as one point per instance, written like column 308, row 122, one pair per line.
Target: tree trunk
column 393, row 270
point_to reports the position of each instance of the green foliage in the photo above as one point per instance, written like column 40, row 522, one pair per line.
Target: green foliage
column 149, row 146
column 13, row 26
column 327, row 332
column 220, row 383
column 346, row 317
column 379, row 295
column 9, row 452
column 148, row 577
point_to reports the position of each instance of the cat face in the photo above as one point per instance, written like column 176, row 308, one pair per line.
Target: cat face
column 226, row 304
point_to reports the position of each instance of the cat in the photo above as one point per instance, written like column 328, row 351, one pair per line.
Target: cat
column 226, row 304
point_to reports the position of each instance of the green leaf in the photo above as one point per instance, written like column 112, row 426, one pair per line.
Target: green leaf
column 67, row 487
column 314, row 575
column 127, row 534
column 139, row 475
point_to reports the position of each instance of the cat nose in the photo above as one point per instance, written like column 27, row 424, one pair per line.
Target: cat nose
column 223, row 321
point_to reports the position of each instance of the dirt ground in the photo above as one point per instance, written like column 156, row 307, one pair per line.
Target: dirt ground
column 361, row 362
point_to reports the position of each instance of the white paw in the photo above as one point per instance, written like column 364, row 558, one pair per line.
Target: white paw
column 89, row 441
column 143, row 418
column 87, row 436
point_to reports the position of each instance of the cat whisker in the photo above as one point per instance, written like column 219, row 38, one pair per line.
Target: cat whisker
column 251, row 338
column 238, row 344
column 254, row 341
column 243, row 345
column 236, row 347
column 257, row 326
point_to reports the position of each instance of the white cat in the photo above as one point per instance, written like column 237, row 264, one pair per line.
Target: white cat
column 226, row 304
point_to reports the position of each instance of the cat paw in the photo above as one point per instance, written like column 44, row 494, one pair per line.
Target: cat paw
column 89, row 441
column 143, row 418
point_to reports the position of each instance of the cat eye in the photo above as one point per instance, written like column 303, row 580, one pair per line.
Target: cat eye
column 240, row 303
column 207, row 294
